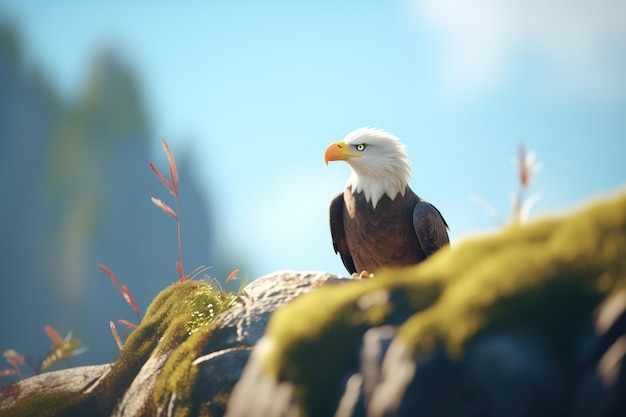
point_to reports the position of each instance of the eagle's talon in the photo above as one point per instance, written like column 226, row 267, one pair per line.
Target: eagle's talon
column 362, row 275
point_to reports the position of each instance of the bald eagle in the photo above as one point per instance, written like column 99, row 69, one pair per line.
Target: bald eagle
column 378, row 220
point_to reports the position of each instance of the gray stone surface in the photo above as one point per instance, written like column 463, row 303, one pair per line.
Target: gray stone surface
column 136, row 396
column 244, row 324
column 80, row 379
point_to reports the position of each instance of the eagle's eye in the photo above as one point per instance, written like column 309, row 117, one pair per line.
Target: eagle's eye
column 361, row 147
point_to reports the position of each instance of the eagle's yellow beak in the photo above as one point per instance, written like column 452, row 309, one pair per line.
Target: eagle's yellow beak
column 339, row 151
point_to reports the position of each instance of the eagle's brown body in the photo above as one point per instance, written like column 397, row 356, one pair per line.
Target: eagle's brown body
column 399, row 232
column 378, row 221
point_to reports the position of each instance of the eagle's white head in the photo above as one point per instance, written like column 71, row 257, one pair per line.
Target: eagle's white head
column 379, row 163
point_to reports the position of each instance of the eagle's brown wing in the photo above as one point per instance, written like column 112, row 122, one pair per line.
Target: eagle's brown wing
column 430, row 227
column 338, row 233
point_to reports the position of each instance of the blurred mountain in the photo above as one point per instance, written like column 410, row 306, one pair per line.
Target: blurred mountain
column 76, row 188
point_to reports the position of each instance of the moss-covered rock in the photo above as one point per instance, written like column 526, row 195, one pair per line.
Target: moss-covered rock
column 538, row 283
column 183, row 359
column 162, row 332
column 531, row 321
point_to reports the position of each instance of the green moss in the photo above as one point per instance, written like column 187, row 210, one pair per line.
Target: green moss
column 544, row 278
column 160, row 330
column 206, row 303
column 179, row 374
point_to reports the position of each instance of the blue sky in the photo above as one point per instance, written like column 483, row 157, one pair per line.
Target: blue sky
column 255, row 91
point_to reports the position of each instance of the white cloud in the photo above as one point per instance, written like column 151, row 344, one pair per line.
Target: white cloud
column 581, row 42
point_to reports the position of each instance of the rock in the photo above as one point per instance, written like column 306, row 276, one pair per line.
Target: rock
column 218, row 374
column 221, row 361
column 244, row 324
column 162, row 369
column 79, row 379
column 600, row 357
column 529, row 322
column 139, row 392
